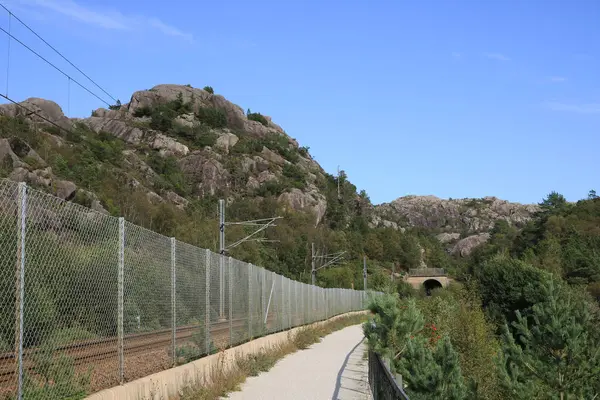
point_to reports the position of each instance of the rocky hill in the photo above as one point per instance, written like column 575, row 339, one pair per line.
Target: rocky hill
column 176, row 145
column 462, row 224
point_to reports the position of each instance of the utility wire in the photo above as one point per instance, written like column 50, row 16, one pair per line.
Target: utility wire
column 54, row 66
column 35, row 113
column 56, row 51
column 8, row 55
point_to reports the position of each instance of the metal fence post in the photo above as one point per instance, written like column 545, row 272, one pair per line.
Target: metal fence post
column 173, row 303
column 230, row 301
column 120, row 299
column 263, row 299
column 303, row 314
column 207, row 268
column 20, row 282
column 296, row 313
column 250, row 302
column 282, row 308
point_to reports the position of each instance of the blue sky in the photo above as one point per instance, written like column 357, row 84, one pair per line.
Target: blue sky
column 450, row 98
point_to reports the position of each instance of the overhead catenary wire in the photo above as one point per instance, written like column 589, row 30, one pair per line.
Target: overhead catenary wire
column 54, row 66
column 8, row 52
column 31, row 112
column 10, row 13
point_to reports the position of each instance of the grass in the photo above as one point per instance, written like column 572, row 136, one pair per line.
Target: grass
column 223, row 382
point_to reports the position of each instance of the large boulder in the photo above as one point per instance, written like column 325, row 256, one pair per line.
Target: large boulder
column 118, row 128
column 313, row 202
column 266, row 176
column 8, row 156
column 162, row 94
column 40, row 177
column 120, row 114
column 465, row 246
column 446, row 237
column 226, row 140
column 168, row 146
column 65, row 189
column 177, row 200
column 39, row 111
column 154, row 198
column 271, row 156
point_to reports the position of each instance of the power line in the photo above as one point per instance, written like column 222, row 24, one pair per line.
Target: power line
column 56, row 51
column 35, row 113
column 8, row 53
column 55, row 67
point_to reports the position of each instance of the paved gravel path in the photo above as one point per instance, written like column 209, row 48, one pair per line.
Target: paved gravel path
column 332, row 369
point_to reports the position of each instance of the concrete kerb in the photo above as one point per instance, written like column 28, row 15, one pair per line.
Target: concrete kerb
column 168, row 384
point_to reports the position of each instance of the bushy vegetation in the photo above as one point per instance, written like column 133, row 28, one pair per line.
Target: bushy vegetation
column 520, row 326
column 213, row 117
column 258, row 117
column 162, row 118
column 209, row 89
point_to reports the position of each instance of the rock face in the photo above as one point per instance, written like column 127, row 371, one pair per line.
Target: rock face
column 313, row 202
column 461, row 215
column 453, row 218
column 465, row 246
column 448, row 237
column 65, row 189
column 119, row 128
column 168, row 146
column 206, row 174
column 44, row 108
column 226, row 141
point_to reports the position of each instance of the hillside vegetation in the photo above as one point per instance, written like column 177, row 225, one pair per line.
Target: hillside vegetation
column 522, row 323
column 165, row 158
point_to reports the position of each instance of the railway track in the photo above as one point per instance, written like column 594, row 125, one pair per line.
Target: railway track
column 98, row 350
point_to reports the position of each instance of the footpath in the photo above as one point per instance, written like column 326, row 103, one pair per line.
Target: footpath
column 335, row 368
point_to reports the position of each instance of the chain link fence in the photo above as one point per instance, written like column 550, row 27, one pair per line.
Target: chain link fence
column 89, row 301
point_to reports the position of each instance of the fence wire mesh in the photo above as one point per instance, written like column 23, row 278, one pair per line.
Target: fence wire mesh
column 89, row 301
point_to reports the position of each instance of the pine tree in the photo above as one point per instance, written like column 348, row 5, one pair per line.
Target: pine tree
column 432, row 373
column 554, row 351
column 392, row 325
column 430, row 367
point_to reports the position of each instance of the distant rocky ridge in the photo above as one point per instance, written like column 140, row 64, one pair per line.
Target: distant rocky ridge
column 462, row 224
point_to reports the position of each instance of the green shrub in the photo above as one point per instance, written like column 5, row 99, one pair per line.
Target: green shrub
column 179, row 106
column 304, row 151
column 116, row 106
column 213, row 117
column 258, row 117
column 20, row 128
column 247, row 145
column 199, row 136
column 162, row 118
column 106, row 147
column 169, row 171
column 295, row 173
column 205, row 139
column 61, row 381
column 209, row 89
column 280, row 145
column 271, row 188
column 142, row 112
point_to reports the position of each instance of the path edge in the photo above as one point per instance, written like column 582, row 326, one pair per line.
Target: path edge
column 169, row 383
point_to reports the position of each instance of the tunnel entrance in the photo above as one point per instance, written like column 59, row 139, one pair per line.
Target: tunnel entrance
column 431, row 284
